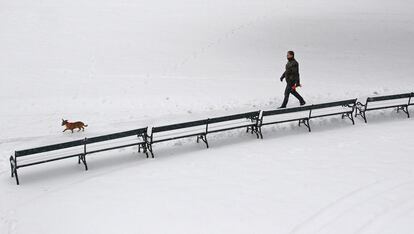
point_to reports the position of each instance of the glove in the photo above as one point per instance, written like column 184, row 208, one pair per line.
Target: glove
column 281, row 79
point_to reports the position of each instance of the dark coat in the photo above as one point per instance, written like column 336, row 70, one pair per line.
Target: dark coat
column 292, row 72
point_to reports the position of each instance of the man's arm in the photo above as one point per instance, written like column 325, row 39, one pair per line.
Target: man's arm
column 295, row 69
column 283, row 76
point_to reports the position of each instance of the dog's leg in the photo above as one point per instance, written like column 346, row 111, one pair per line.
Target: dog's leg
column 65, row 129
column 72, row 130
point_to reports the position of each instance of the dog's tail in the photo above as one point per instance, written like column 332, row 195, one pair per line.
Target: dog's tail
column 85, row 125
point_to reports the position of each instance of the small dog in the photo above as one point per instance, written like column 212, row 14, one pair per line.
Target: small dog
column 70, row 126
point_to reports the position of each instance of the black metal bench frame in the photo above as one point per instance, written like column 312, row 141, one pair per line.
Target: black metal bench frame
column 140, row 133
column 202, row 135
column 361, row 108
column 351, row 103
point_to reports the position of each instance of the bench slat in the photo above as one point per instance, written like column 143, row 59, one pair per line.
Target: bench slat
column 247, row 115
column 286, row 110
column 118, row 135
column 231, row 128
column 179, row 126
column 178, row 137
column 114, row 147
column 385, row 107
column 389, row 97
column 48, row 148
column 334, row 104
column 49, row 160
column 284, row 121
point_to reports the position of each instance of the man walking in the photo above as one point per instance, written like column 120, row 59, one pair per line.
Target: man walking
column 292, row 79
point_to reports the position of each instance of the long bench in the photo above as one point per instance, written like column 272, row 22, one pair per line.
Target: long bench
column 396, row 101
column 78, row 148
column 304, row 114
column 201, row 128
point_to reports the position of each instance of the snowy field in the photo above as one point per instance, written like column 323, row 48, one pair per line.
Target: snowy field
column 120, row 65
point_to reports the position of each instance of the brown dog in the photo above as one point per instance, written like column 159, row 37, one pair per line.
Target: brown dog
column 70, row 126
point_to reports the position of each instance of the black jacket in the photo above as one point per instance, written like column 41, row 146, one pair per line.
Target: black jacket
column 292, row 72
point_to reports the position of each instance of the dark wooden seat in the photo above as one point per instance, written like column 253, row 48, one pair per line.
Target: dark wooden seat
column 397, row 101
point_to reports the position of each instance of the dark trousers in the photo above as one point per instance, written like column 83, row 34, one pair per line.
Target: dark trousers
column 289, row 91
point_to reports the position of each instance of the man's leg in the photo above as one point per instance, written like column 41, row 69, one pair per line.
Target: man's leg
column 287, row 93
column 297, row 95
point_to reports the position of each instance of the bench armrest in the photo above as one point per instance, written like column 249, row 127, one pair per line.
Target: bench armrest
column 360, row 106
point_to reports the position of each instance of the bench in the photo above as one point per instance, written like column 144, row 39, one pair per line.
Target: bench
column 285, row 115
column 304, row 114
column 178, row 131
column 247, row 120
column 78, row 148
column 201, row 128
column 397, row 101
column 344, row 108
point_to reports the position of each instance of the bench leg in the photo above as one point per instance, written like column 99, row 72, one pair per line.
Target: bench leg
column 17, row 177
column 259, row 129
column 306, row 123
column 361, row 113
column 13, row 169
column 350, row 116
column 404, row 109
column 144, row 147
column 83, row 159
column 256, row 131
column 364, row 116
column 204, row 139
column 352, row 119
column 149, row 147
column 11, row 166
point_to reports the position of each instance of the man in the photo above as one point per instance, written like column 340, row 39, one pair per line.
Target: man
column 292, row 79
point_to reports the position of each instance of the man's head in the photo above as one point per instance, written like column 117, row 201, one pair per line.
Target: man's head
column 290, row 55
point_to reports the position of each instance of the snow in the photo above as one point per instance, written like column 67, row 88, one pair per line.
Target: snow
column 121, row 65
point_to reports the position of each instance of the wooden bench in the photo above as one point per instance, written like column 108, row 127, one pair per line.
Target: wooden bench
column 304, row 114
column 78, row 148
column 344, row 108
column 178, row 131
column 247, row 120
column 285, row 115
column 201, row 128
column 397, row 101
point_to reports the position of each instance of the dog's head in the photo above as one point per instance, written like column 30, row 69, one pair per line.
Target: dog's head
column 64, row 122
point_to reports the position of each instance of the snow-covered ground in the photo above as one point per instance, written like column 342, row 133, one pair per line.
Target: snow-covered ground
column 120, row 65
